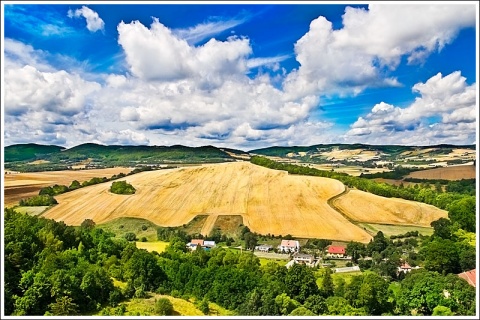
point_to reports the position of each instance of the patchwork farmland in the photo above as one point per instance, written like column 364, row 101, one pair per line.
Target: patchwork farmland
column 24, row 185
column 269, row 201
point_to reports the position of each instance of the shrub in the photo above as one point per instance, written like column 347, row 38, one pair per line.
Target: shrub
column 130, row 236
column 163, row 307
column 122, row 187
column 40, row 200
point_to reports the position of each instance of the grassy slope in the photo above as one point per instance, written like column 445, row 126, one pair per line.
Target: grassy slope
column 121, row 226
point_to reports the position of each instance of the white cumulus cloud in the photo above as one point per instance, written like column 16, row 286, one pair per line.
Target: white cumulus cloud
column 370, row 43
column 448, row 101
column 94, row 22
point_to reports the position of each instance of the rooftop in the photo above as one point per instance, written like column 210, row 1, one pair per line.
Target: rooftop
column 470, row 276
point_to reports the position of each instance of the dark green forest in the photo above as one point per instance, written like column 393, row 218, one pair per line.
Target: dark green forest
column 55, row 269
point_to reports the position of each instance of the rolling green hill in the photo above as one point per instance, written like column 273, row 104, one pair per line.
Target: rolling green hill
column 118, row 155
column 29, row 151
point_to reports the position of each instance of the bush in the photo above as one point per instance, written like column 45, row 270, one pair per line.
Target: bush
column 40, row 200
column 203, row 306
column 130, row 236
column 163, row 307
column 122, row 187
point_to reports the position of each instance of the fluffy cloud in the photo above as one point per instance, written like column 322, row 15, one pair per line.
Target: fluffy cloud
column 178, row 93
column 94, row 22
column 445, row 112
column 28, row 89
column 370, row 43
column 158, row 54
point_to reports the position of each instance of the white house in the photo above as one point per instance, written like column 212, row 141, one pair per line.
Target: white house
column 208, row 244
column 303, row 258
column 289, row 246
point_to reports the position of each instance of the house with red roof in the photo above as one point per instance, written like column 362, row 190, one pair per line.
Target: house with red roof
column 470, row 277
column 336, row 252
column 404, row 267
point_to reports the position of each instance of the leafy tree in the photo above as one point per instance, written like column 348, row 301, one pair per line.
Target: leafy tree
column 373, row 294
column 130, row 236
column 466, row 256
column 356, row 250
column 442, row 228
column 122, row 187
column 441, row 255
column 301, row 311
column 300, row 282
column 421, row 291
column 463, row 212
column 142, row 269
column 338, row 306
column 163, row 307
column 88, row 224
column 286, row 304
column 203, row 306
column 250, row 240
column 40, row 200
column 378, row 244
column 327, row 288
column 316, row 303
column 442, row 311
column 340, row 284
column 74, row 185
column 64, row 306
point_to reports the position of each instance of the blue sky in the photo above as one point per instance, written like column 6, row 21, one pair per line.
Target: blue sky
column 238, row 75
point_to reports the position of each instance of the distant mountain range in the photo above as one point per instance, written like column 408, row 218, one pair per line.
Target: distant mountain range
column 178, row 153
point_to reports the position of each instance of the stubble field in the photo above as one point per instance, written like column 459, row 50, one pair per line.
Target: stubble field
column 448, row 173
column 362, row 206
column 269, row 201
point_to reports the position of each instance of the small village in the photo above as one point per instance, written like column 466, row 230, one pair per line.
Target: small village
column 292, row 251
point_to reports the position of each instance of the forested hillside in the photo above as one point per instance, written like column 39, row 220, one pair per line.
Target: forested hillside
column 54, row 269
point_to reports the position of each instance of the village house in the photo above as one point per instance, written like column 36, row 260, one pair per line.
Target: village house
column 192, row 245
column 336, row 252
column 404, row 267
column 288, row 246
column 208, row 244
column 303, row 258
column 470, row 276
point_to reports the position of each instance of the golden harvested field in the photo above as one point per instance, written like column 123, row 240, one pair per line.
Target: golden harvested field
column 447, row 173
column 24, row 185
column 269, row 201
column 354, row 154
column 350, row 170
column 362, row 206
